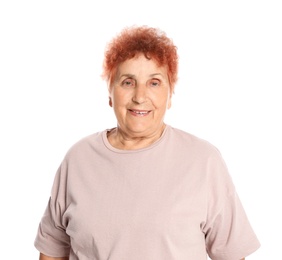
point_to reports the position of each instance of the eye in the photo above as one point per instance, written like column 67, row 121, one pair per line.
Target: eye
column 128, row 82
column 154, row 82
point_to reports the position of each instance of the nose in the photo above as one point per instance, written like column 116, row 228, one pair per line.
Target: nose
column 140, row 94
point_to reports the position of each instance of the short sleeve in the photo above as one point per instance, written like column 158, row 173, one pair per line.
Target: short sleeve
column 51, row 238
column 229, row 235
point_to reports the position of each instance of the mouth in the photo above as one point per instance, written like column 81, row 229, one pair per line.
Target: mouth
column 139, row 112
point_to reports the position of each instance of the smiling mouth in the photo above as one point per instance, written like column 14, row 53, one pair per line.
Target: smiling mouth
column 139, row 112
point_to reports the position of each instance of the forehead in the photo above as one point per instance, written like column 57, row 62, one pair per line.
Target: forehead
column 140, row 65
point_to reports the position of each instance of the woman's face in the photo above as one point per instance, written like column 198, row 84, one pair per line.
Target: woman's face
column 140, row 95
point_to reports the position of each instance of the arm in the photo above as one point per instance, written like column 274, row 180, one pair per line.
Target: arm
column 45, row 257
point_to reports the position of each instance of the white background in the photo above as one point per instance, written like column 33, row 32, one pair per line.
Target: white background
column 229, row 93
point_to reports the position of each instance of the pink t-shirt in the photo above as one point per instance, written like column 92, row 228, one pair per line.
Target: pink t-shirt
column 172, row 200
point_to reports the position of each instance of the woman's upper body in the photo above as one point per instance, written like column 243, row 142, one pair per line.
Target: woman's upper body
column 143, row 190
column 173, row 199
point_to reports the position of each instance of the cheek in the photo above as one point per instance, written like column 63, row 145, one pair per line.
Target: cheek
column 120, row 101
column 163, row 100
column 115, row 97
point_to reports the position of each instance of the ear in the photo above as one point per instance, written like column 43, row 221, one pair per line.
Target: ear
column 110, row 102
column 169, row 103
column 169, row 100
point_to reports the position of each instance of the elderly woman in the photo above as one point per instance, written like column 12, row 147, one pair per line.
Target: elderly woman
column 143, row 190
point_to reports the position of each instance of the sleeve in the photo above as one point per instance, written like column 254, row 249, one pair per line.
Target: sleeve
column 229, row 235
column 51, row 238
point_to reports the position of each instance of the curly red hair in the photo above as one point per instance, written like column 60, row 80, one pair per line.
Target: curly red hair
column 132, row 41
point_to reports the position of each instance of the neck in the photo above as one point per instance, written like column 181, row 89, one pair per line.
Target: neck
column 124, row 141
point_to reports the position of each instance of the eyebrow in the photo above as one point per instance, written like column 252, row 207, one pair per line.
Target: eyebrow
column 133, row 76
column 126, row 75
column 156, row 74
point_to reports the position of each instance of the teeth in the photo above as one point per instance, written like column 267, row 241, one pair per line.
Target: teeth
column 141, row 112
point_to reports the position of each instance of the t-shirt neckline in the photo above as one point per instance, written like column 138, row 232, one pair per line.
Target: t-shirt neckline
column 116, row 150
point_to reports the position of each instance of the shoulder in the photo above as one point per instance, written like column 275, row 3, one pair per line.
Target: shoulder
column 85, row 145
column 199, row 151
column 203, row 159
column 189, row 142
